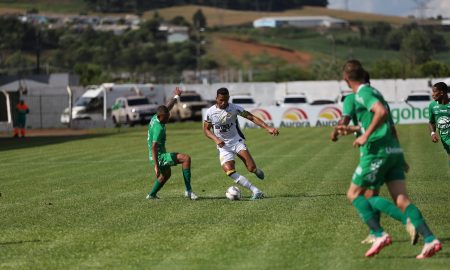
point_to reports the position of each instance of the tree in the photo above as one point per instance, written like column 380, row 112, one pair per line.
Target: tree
column 199, row 20
column 416, row 47
column 434, row 69
column 388, row 69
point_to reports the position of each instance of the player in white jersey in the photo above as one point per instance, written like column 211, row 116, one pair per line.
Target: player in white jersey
column 221, row 125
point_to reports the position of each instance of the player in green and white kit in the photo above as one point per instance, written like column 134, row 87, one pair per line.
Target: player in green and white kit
column 379, row 204
column 440, row 116
column 160, row 158
column 381, row 161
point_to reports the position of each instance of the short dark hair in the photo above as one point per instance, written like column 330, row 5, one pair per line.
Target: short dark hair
column 366, row 77
column 354, row 70
column 441, row 86
column 162, row 110
column 223, row 91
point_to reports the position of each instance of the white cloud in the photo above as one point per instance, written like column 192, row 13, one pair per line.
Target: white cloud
column 394, row 7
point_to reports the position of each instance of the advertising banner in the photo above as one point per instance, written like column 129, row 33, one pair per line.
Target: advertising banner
column 328, row 115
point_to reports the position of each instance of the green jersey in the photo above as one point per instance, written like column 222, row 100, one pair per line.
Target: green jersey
column 365, row 98
column 348, row 108
column 440, row 116
column 156, row 133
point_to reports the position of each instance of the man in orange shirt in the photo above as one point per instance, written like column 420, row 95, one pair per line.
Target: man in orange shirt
column 22, row 111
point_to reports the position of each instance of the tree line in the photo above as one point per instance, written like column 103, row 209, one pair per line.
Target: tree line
column 142, row 54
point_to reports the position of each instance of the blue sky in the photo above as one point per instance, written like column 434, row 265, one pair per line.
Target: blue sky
column 394, row 7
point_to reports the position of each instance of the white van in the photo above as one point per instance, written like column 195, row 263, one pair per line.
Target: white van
column 91, row 106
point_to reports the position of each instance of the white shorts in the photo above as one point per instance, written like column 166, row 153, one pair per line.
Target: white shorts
column 228, row 152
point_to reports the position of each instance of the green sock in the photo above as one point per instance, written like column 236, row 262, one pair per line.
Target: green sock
column 377, row 216
column 187, row 179
column 387, row 207
column 368, row 215
column 419, row 223
column 156, row 187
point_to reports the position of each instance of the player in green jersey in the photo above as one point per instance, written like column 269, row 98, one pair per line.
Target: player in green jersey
column 160, row 158
column 440, row 116
column 379, row 204
column 381, row 161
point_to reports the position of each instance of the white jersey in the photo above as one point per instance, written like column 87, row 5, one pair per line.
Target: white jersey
column 225, row 123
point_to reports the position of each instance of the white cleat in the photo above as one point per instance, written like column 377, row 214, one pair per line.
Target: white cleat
column 370, row 239
column 150, row 197
column 412, row 232
column 430, row 249
column 191, row 195
column 380, row 242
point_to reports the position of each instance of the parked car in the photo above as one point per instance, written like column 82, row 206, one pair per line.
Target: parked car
column 294, row 100
column 132, row 110
column 342, row 96
column 245, row 101
column 188, row 106
column 92, row 106
column 418, row 96
column 322, row 102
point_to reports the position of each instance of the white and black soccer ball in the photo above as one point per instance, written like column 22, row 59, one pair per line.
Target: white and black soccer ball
column 233, row 193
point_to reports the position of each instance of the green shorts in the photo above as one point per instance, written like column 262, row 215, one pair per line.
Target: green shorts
column 166, row 160
column 378, row 167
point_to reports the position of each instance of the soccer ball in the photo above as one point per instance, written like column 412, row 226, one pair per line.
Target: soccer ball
column 233, row 193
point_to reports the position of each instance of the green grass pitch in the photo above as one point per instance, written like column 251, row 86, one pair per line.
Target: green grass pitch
column 78, row 203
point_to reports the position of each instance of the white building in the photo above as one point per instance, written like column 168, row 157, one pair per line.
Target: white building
column 300, row 21
column 175, row 33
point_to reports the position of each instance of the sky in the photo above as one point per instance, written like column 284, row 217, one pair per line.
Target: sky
column 395, row 7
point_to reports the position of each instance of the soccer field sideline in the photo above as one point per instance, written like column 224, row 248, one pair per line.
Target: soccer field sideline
column 66, row 207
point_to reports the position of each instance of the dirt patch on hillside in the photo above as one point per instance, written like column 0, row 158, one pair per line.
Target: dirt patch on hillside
column 238, row 49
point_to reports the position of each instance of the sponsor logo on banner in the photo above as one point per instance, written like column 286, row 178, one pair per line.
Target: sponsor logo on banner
column 294, row 117
column 410, row 114
column 329, row 116
column 261, row 114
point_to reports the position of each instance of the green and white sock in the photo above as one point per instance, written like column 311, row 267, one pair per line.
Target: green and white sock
column 187, row 179
column 368, row 215
column 419, row 223
column 387, row 207
column 156, row 187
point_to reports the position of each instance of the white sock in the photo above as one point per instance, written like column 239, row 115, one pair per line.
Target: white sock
column 241, row 180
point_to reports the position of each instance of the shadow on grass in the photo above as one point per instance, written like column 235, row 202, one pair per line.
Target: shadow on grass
column 23, row 242
column 439, row 255
column 276, row 196
column 29, row 142
column 306, row 195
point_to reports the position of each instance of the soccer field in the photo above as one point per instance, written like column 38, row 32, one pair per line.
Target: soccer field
column 79, row 203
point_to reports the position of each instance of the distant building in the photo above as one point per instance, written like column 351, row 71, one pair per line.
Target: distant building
column 175, row 33
column 300, row 21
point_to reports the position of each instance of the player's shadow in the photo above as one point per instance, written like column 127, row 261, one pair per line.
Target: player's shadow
column 18, row 242
column 441, row 254
column 277, row 196
column 305, row 195
column 29, row 142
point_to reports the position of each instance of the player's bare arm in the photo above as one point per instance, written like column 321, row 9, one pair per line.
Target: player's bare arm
column 380, row 113
column 434, row 136
column 344, row 130
column 155, row 158
column 344, row 121
column 208, row 133
column 273, row 131
column 172, row 101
